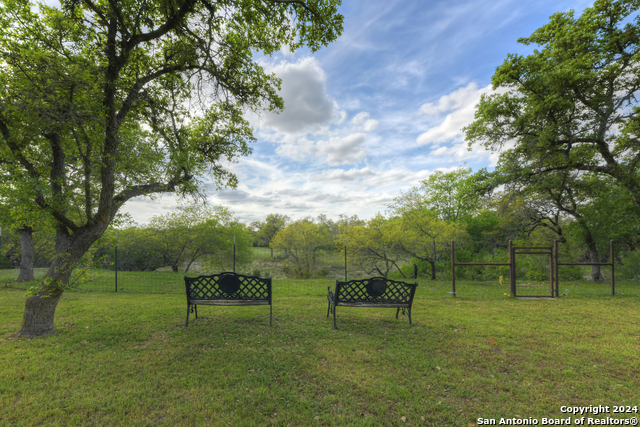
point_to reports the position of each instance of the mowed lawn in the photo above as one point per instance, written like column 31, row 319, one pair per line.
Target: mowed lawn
column 127, row 359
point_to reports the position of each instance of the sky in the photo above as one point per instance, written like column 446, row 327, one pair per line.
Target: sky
column 377, row 111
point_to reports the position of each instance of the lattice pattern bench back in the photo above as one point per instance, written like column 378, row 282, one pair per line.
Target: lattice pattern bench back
column 375, row 290
column 228, row 286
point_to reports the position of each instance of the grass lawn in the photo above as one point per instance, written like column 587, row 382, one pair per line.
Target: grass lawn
column 127, row 359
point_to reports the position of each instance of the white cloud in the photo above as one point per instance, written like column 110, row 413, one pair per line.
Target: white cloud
column 336, row 151
column 342, row 150
column 362, row 122
column 341, row 175
column 453, row 101
column 372, row 178
column 298, row 149
column 461, row 105
column 446, row 138
column 308, row 107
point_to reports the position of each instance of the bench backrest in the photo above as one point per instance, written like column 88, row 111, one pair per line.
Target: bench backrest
column 375, row 290
column 228, row 286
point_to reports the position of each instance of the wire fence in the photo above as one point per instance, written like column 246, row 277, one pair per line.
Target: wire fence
column 475, row 282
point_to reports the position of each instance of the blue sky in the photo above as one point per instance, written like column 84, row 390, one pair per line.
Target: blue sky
column 377, row 111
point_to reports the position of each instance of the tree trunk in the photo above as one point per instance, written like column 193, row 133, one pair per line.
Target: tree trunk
column 271, row 252
column 38, row 315
column 26, row 262
column 433, row 270
column 40, row 308
column 596, row 275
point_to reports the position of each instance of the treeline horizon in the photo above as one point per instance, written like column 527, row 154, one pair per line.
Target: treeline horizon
column 412, row 238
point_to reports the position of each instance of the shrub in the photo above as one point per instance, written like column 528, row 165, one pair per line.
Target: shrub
column 629, row 268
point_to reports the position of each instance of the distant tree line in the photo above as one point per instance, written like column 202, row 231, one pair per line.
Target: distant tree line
column 481, row 211
column 180, row 240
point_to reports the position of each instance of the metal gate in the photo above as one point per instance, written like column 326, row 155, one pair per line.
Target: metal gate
column 531, row 250
column 550, row 251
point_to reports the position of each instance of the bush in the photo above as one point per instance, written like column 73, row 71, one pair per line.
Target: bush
column 324, row 272
column 291, row 269
column 5, row 263
column 629, row 268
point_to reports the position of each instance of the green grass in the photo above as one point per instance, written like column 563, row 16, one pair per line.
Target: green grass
column 127, row 359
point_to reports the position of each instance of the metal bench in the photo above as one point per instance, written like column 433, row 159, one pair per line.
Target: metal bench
column 227, row 289
column 374, row 292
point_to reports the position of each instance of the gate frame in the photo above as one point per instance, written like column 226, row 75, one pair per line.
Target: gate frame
column 552, row 251
column 531, row 250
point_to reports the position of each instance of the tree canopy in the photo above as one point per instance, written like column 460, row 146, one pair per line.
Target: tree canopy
column 572, row 104
column 104, row 101
column 371, row 246
column 266, row 230
column 302, row 242
column 450, row 195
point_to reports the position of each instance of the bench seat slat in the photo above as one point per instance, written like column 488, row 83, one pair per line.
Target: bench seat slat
column 230, row 302
column 374, row 304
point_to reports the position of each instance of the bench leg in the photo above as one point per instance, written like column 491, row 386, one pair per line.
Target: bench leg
column 188, row 309
column 334, row 317
column 397, row 312
column 409, row 314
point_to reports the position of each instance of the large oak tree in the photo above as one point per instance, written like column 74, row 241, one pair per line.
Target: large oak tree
column 570, row 105
column 102, row 101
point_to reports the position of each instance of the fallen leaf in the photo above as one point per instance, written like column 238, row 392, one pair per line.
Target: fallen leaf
column 404, row 419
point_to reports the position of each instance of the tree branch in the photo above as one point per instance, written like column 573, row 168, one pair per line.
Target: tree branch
column 171, row 23
column 142, row 190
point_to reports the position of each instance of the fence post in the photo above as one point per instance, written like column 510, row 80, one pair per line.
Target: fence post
column 613, row 280
column 345, row 259
column 116, row 261
column 512, row 270
column 556, row 257
column 551, row 280
column 453, row 268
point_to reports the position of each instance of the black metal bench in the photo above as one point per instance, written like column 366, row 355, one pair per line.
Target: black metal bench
column 374, row 292
column 227, row 289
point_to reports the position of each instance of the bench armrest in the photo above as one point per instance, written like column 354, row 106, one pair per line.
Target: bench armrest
column 331, row 298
